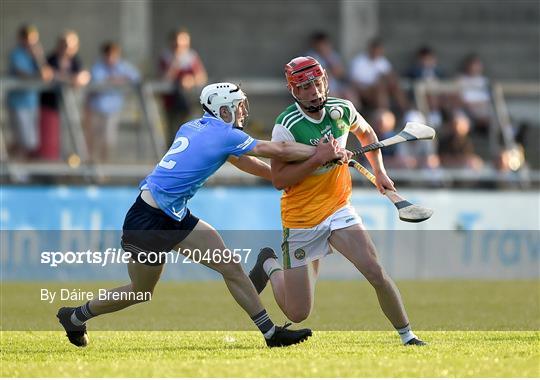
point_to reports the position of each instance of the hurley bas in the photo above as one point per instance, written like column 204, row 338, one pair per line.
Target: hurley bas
column 102, row 295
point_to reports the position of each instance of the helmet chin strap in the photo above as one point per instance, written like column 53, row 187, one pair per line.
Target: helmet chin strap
column 314, row 109
column 208, row 110
column 311, row 109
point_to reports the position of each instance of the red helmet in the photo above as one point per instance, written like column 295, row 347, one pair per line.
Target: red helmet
column 302, row 69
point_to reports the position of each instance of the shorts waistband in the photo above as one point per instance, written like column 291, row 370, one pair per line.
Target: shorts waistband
column 141, row 203
column 157, row 211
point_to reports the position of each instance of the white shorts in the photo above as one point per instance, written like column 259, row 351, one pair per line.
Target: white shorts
column 301, row 246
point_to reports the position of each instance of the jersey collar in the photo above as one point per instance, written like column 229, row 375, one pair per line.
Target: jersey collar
column 310, row 118
column 207, row 115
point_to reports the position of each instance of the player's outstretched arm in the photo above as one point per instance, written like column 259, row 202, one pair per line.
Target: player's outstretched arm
column 292, row 151
column 252, row 165
column 283, row 150
column 286, row 174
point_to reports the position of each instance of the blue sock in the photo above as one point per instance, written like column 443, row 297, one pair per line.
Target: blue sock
column 264, row 323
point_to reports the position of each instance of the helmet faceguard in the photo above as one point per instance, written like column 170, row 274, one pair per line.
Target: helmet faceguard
column 217, row 95
column 306, row 72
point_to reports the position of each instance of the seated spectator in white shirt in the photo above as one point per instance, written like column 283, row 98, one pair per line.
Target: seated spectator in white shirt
column 475, row 93
column 374, row 79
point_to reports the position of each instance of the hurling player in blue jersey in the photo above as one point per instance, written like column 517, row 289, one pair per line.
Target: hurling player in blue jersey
column 160, row 221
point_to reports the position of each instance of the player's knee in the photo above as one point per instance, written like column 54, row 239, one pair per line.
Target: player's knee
column 230, row 270
column 298, row 315
column 376, row 276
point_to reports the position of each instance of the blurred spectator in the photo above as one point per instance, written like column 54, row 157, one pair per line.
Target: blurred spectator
column 426, row 68
column 510, row 159
column 513, row 171
column 375, row 81
column 105, row 105
column 68, row 70
column 417, row 154
column 323, row 51
column 456, row 149
column 182, row 67
column 384, row 124
column 26, row 61
column 475, row 94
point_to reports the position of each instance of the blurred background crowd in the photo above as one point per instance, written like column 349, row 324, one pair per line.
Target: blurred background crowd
column 68, row 118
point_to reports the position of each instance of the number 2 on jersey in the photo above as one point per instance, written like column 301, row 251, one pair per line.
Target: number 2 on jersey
column 184, row 142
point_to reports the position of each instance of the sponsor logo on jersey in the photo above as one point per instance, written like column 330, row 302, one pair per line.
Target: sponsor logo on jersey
column 327, row 131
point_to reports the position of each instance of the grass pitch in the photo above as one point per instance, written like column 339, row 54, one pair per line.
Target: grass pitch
column 447, row 314
column 243, row 354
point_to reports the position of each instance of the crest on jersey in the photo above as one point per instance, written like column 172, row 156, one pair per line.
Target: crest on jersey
column 300, row 254
column 341, row 124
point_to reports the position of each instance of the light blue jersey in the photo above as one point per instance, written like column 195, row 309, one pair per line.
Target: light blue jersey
column 200, row 147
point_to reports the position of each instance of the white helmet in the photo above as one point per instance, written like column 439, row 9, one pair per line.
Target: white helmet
column 217, row 95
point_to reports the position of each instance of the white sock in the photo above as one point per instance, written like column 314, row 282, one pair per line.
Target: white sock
column 406, row 334
column 270, row 332
column 75, row 320
column 270, row 266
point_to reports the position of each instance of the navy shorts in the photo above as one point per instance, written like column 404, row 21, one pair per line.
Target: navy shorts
column 148, row 232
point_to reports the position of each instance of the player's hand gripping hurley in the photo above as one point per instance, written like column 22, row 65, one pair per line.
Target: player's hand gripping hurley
column 412, row 131
column 406, row 210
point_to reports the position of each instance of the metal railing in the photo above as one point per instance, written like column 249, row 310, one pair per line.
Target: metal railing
column 150, row 118
column 71, row 108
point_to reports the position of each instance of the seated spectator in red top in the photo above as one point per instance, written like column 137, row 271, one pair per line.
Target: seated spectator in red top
column 183, row 68
column 68, row 70
column 456, row 149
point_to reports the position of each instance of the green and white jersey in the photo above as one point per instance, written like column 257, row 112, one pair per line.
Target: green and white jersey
column 295, row 125
column 327, row 189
